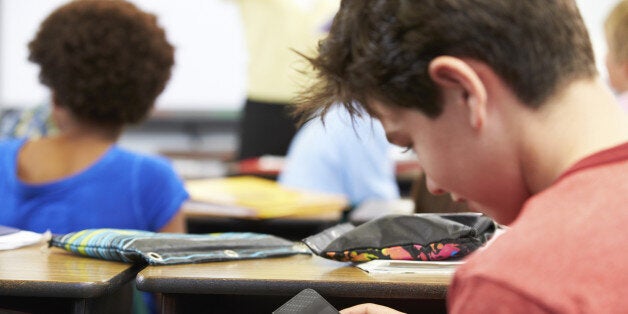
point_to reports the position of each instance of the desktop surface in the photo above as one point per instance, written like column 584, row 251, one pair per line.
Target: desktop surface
column 39, row 279
column 265, row 284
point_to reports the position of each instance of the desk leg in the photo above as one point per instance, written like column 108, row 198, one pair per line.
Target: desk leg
column 120, row 301
column 168, row 303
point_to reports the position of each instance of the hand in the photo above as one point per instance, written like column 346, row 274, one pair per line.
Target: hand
column 369, row 308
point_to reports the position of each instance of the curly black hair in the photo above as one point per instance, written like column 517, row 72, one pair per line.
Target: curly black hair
column 107, row 61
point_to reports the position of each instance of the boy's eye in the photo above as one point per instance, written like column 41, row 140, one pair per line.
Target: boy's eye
column 407, row 149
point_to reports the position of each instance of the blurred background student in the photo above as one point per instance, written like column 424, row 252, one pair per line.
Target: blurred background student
column 342, row 156
column 273, row 29
column 616, row 31
column 105, row 63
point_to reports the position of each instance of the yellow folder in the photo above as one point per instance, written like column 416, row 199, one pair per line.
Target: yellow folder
column 254, row 197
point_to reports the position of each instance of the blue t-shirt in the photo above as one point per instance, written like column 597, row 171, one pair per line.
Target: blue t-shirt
column 122, row 190
column 342, row 156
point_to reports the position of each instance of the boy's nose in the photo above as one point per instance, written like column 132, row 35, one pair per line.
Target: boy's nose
column 457, row 198
column 433, row 187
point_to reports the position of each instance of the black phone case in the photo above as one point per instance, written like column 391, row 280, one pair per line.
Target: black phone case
column 307, row 301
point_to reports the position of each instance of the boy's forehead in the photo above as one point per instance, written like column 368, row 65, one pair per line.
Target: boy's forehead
column 378, row 109
column 391, row 113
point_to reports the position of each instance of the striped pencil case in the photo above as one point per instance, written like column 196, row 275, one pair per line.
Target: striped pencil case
column 144, row 247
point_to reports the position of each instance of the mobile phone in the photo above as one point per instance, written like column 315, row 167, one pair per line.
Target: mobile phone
column 307, row 301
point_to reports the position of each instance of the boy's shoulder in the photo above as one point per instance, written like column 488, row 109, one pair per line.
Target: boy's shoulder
column 559, row 241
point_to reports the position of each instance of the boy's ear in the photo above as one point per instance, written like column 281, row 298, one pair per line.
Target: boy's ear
column 454, row 73
column 54, row 100
column 624, row 69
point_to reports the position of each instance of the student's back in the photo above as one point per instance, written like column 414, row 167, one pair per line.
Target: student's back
column 105, row 63
column 121, row 190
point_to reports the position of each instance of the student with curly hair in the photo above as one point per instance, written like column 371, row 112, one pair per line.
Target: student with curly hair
column 502, row 103
column 105, row 63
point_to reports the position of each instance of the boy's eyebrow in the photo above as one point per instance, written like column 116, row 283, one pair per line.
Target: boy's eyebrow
column 369, row 109
column 392, row 136
column 375, row 115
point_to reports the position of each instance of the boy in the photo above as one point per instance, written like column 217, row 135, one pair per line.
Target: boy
column 105, row 63
column 503, row 105
column 616, row 29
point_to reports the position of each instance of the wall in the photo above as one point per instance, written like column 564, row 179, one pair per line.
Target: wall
column 210, row 53
column 199, row 109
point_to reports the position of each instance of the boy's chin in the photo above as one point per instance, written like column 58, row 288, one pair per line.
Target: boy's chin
column 500, row 215
column 475, row 207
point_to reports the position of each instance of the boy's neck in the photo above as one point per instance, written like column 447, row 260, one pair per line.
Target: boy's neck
column 576, row 123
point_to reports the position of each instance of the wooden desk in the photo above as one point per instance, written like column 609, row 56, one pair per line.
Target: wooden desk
column 261, row 286
column 54, row 281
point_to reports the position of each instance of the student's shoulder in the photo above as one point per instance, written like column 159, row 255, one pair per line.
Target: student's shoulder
column 144, row 162
column 11, row 144
column 9, row 149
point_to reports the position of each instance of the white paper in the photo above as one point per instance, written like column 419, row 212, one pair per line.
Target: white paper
column 410, row 267
column 19, row 239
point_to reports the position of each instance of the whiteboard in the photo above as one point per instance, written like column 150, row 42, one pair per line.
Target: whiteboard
column 210, row 58
column 210, row 70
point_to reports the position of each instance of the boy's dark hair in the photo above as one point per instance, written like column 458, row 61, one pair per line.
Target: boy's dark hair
column 381, row 49
column 107, row 61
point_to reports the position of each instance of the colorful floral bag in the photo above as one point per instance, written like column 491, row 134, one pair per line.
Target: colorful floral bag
column 423, row 237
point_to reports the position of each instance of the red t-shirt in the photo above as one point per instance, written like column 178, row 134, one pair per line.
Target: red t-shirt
column 565, row 253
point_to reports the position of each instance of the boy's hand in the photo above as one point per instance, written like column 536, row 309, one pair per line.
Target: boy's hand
column 369, row 308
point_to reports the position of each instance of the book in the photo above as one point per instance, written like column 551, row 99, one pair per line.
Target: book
column 259, row 198
column 268, row 165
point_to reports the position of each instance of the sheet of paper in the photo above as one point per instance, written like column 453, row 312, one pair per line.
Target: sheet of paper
column 410, row 267
column 11, row 238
